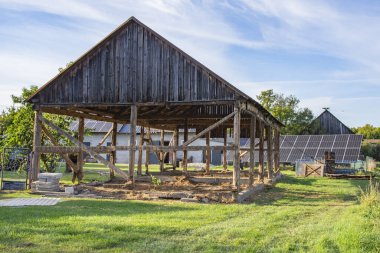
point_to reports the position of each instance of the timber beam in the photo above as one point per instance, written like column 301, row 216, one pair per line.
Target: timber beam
column 109, row 149
column 101, row 142
column 208, row 129
column 83, row 147
column 65, row 157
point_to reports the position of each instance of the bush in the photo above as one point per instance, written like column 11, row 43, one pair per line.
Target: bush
column 371, row 150
column 155, row 181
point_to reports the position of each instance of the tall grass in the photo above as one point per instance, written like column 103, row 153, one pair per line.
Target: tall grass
column 370, row 196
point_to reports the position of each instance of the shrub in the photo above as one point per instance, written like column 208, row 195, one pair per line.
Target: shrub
column 155, row 181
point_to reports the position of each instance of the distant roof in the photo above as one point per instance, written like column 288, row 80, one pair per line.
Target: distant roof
column 95, row 126
column 327, row 123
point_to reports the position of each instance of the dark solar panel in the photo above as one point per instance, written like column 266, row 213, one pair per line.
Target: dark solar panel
column 351, row 154
column 297, row 147
column 288, row 141
column 339, row 153
column 327, row 141
column 309, row 153
column 314, row 141
column 321, row 153
column 340, row 141
column 301, row 142
column 284, row 153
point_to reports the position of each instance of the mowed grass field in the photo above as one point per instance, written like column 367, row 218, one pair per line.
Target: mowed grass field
column 298, row 215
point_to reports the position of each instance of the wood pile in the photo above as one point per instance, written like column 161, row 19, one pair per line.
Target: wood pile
column 47, row 182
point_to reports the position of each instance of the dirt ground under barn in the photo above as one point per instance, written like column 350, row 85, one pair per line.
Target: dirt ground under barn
column 195, row 187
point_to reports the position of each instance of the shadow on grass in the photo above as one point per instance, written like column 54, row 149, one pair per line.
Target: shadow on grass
column 295, row 191
column 358, row 183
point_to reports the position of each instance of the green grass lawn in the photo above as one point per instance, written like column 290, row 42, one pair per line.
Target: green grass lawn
column 299, row 214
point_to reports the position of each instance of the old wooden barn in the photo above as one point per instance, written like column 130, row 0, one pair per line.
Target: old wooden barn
column 327, row 123
column 136, row 76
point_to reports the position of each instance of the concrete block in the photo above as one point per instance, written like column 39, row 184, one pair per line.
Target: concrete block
column 247, row 194
column 69, row 190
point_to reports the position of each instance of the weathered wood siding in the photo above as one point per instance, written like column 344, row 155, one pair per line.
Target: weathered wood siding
column 327, row 123
column 135, row 65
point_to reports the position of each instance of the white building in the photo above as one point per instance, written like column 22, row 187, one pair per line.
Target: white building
column 98, row 129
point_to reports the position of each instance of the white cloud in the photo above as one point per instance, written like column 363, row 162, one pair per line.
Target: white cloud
column 205, row 30
column 318, row 26
column 353, row 116
column 69, row 8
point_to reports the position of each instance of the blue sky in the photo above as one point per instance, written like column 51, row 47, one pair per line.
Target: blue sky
column 327, row 53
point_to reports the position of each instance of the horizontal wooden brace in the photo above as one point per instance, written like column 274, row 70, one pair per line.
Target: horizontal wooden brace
column 83, row 147
column 109, row 149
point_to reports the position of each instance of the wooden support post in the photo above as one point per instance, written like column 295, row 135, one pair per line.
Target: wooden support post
column 141, row 143
column 36, row 143
column 269, row 135
column 236, row 171
column 113, row 143
column 252, row 136
column 175, row 144
column 105, row 136
column 185, row 137
column 276, row 157
column 162, row 158
column 208, row 153
column 225, row 150
column 147, row 153
column 79, row 174
column 65, row 157
column 261, row 151
column 132, row 141
column 94, row 154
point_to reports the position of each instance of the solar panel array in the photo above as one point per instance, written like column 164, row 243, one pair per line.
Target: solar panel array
column 313, row 147
column 296, row 147
column 95, row 126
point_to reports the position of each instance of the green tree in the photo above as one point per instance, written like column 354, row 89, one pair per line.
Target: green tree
column 371, row 150
column 16, row 127
column 286, row 109
column 368, row 131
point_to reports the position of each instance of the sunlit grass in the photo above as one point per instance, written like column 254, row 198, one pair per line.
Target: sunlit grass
column 298, row 215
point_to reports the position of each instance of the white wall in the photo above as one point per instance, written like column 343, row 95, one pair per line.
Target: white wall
column 123, row 140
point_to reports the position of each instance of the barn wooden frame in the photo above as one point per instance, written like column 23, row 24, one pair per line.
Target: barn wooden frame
column 135, row 76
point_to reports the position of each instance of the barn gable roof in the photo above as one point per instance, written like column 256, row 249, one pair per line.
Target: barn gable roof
column 327, row 123
column 136, row 65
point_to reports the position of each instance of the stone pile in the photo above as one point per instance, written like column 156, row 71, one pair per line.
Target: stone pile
column 47, row 182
